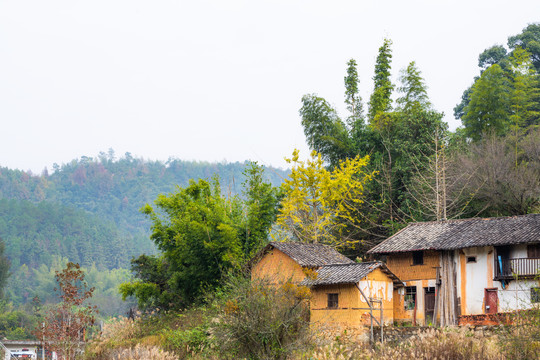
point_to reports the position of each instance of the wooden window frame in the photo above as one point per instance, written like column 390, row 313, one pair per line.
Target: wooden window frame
column 411, row 296
column 417, row 258
column 533, row 251
column 332, row 300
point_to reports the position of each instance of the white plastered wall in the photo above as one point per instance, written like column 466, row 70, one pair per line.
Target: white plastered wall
column 479, row 276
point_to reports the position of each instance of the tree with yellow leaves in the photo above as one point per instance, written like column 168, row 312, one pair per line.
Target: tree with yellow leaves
column 319, row 204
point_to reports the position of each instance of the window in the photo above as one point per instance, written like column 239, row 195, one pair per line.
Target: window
column 418, row 258
column 535, row 295
column 410, row 297
column 533, row 251
column 332, row 301
column 471, row 259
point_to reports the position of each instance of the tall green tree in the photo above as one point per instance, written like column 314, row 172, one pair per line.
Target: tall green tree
column 487, row 110
column 352, row 96
column 261, row 208
column 380, row 100
column 524, row 97
column 413, row 89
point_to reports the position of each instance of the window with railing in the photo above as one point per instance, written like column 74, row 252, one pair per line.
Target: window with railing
column 512, row 268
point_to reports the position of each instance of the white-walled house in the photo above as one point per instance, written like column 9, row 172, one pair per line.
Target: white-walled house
column 456, row 268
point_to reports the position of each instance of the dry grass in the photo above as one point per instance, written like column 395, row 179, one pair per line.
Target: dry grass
column 433, row 344
column 122, row 338
column 140, row 352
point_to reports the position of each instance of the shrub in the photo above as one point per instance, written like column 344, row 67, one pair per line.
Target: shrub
column 262, row 321
column 520, row 339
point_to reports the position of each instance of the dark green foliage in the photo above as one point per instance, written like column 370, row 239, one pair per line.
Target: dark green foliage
column 529, row 39
column 37, row 232
column 491, row 56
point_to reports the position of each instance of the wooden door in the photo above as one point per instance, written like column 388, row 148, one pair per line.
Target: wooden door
column 491, row 301
column 429, row 304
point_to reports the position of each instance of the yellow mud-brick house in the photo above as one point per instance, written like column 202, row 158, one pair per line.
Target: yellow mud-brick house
column 280, row 262
column 343, row 293
column 351, row 294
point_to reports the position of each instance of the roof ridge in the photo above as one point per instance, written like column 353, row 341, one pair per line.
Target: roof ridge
column 468, row 219
column 355, row 263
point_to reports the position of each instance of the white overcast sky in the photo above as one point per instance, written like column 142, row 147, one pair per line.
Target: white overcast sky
column 216, row 79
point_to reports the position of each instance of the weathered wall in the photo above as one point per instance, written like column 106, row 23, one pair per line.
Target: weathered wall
column 277, row 268
column 474, row 278
column 417, row 315
column 379, row 286
column 352, row 309
column 401, row 265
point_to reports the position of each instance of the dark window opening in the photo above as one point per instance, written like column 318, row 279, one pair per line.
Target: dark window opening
column 332, row 301
column 533, row 251
column 535, row 295
column 471, row 259
column 418, row 258
column 410, row 297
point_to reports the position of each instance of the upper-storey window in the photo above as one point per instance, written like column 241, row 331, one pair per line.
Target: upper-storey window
column 533, row 251
column 418, row 258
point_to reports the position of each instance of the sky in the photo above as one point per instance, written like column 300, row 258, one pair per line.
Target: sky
column 216, row 80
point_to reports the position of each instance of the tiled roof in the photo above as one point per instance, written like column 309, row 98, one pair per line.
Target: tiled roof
column 310, row 255
column 347, row 273
column 459, row 234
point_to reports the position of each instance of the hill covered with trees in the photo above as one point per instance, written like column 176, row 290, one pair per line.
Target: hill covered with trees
column 88, row 211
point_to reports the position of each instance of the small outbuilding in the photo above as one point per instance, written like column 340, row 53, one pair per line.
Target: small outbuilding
column 344, row 294
column 350, row 294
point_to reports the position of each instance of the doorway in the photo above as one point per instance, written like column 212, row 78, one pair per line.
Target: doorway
column 491, row 301
column 429, row 304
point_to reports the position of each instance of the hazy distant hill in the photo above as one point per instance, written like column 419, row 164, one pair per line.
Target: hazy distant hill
column 88, row 210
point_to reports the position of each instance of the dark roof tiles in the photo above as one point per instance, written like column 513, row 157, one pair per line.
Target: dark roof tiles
column 459, row 234
column 347, row 274
column 311, row 255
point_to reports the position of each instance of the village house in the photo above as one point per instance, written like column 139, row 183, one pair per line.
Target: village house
column 456, row 270
column 343, row 293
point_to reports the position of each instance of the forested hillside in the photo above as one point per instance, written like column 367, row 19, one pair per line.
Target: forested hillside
column 88, row 211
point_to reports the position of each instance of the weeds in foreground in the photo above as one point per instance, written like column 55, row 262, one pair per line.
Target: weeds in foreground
column 141, row 352
column 432, row 344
